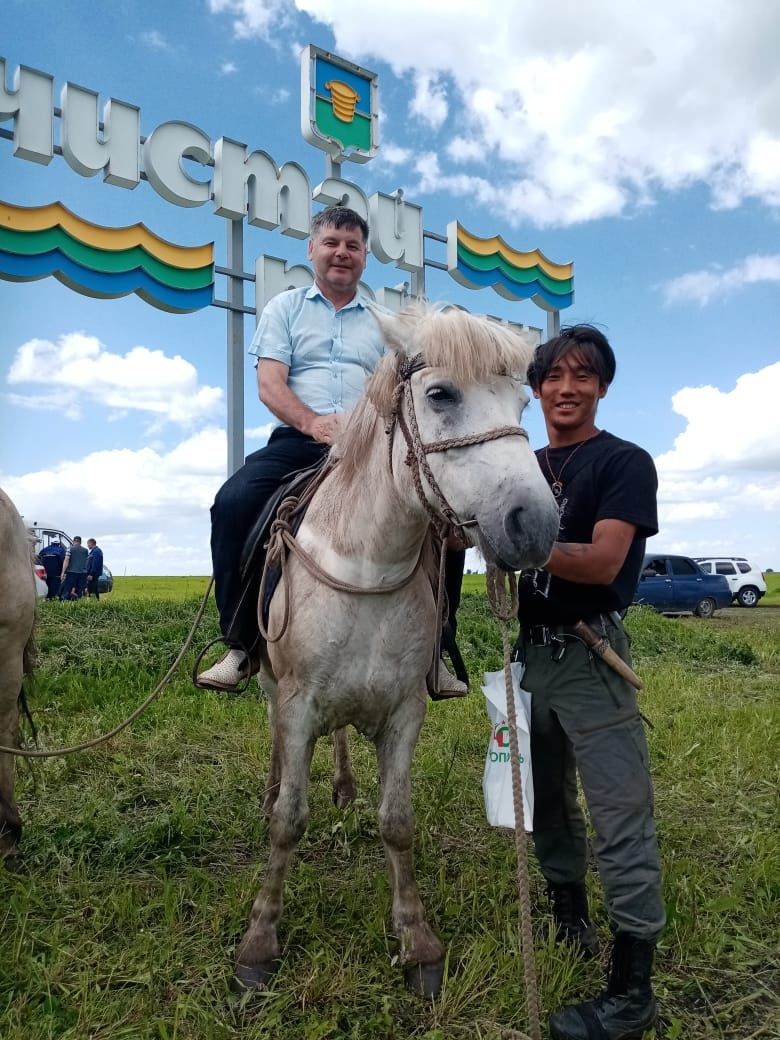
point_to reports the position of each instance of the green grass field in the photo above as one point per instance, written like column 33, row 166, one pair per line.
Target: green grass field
column 143, row 857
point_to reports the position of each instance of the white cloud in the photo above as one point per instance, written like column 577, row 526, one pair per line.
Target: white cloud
column 252, row 17
column 277, row 96
column 148, row 509
column 730, row 430
column 154, row 40
column 78, row 369
column 394, row 154
column 719, row 486
column 259, row 433
column 465, row 149
column 579, row 117
column 702, row 286
column 228, row 68
column 430, row 100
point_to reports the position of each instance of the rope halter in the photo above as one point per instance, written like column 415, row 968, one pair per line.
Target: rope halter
column 417, row 451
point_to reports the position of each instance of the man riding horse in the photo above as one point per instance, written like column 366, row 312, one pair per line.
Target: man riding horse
column 315, row 349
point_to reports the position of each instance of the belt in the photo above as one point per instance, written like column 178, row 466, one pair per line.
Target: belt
column 547, row 635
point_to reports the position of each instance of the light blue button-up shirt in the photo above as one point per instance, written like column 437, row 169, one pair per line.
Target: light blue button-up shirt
column 329, row 353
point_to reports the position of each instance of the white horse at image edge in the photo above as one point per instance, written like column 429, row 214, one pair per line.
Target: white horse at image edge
column 17, row 622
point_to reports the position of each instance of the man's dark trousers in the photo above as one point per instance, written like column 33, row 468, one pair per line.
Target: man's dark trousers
column 73, row 585
column 585, row 718
column 236, row 507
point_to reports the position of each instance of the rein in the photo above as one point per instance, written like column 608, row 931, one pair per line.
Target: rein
column 96, row 741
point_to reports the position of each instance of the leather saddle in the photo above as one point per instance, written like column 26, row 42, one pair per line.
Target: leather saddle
column 254, row 551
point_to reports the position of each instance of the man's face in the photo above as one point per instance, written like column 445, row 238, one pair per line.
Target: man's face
column 91, row 543
column 570, row 395
column 338, row 256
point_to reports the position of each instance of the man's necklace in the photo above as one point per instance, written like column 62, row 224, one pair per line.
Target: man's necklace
column 557, row 485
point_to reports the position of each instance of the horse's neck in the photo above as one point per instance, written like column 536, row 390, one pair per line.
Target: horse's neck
column 367, row 530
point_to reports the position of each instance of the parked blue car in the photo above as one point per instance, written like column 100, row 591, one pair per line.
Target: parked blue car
column 678, row 585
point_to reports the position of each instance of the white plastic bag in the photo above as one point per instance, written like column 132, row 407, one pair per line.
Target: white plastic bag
column 497, row 778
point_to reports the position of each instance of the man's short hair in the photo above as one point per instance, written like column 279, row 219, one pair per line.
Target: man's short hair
column 591, row 346
column 338, row 217
column 77, row 538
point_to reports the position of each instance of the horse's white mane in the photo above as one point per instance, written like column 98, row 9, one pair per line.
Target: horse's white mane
column 473, row 349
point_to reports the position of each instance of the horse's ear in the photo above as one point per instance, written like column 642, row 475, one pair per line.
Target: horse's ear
column 391, row 327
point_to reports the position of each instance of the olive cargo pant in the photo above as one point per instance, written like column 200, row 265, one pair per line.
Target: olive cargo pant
column 585, row 718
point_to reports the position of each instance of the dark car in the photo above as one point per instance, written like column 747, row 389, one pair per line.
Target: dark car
column 105, row 581
column 678, row 585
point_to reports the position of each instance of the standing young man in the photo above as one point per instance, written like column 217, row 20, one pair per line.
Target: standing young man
column 315, row 347
column 584, row 716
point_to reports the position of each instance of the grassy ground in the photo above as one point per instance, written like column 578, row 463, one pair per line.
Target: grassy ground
column 142, row 859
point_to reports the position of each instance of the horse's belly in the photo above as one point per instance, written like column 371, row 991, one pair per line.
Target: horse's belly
column 358, row 660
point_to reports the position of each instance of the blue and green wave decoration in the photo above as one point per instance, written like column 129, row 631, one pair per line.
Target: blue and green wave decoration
column 103, row 262
column 479, row 263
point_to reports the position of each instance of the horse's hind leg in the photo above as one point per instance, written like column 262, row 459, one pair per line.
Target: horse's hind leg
column 257, row 958
column 10, row 821
column 344, row 783
column 421, row 952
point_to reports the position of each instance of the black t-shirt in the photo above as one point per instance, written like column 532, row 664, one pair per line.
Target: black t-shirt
column 608, row 479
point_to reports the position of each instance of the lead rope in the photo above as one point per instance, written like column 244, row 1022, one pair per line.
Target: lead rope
column 503, row 602
column 87, row 744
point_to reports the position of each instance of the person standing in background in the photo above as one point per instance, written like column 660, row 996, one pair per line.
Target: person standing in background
column 94, row 568
column 74, row 571
column 53, row 558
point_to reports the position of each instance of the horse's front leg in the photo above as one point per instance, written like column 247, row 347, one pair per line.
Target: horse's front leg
column 257, row 958
column 421, row 951
column 344, row 782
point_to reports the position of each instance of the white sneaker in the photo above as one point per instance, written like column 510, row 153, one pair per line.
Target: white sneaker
column 450, row 685
column 227, row 674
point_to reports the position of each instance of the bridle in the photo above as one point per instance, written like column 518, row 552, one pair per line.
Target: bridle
column 417, row 451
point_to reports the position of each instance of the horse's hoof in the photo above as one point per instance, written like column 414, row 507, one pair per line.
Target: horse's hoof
column 14, row 862
column 344, row 795
column 254, row 976
column 425, row 980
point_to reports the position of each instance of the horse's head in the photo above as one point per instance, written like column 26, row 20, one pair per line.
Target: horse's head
column 458, row 412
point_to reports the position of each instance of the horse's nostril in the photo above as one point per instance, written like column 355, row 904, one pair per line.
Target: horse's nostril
column 515, row 521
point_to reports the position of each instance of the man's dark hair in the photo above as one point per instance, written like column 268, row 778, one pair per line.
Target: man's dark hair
column 338, row 217
column 591, row 346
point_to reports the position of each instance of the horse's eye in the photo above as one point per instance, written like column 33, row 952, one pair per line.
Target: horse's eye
column 442, row 394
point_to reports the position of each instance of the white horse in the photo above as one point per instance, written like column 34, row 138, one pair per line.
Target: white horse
column 17, row 620
column 435, row 436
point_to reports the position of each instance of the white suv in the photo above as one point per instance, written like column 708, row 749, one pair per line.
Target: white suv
column 747, row 584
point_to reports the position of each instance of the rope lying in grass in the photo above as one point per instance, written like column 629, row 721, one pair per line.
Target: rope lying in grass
column 87, row 744
column 503, row 603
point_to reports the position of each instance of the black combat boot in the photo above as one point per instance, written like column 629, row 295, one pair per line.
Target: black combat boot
column 572, row 921
column 625, row 1009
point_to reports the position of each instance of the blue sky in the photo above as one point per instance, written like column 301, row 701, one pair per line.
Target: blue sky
column 644, row 147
